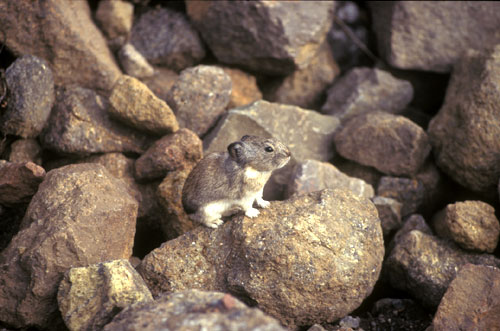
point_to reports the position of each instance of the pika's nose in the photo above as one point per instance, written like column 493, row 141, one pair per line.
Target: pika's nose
column 288, row 153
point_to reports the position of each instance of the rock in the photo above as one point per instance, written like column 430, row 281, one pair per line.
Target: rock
column 353, row 169
column 424, row 265
column 362, row 90
column 398, row 314
column 133, row 63
column 269, row 37
column 392, row 144
column 282, row 261
column 471, row 301
column 79, row 124
column 115, row 18
column 161, row 82
column 244, row 88
column 26, row 150
column 19, row 182
column 175, row 221
column 410, row 192
column 133, row 103
column 166, row 38
column 306, row 87
column 435, row 187
column 176, row 151
column 412, row 222
column 89, row 297
column 464, row 134
column 389, row 212
column 432, row 36
column 307, row 134
column 199, row 97
column 312, row 175
column 80, row 215
column 193, row 309
column 316, row 327
column 62, row 33
column 471, row 224
column 31, row 96
column 122, row 167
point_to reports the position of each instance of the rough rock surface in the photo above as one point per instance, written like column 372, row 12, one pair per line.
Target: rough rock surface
column 271, row 37
column 471, row 224
column 410, row 192
column 62, row 33
column 26, row 150
column 31, row 97
column 354, row 169
column 312, row 175
column 133, row 103
column 80, row 215
column 89, row 297
column 176, row 151
column 161, row 82
column 175, row 221
column 362, row 90
column 19, row 181
column 465, row 133
column 133, row 63
column 244, row 88
column 424, row 265
column 307, row 134
column 79, row 124
column 412, row 222
column 306, row 87
column 166, row 38
column 293, row 261
column 193, row 309
column 431, row 36
column 115, row 18
column 199, row 97
column 471, row 302
column 389, row 212
column 392, row 144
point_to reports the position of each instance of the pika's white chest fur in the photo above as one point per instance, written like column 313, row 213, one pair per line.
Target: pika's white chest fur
column 256, row 178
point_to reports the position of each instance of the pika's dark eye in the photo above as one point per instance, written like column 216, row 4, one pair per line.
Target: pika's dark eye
column 269, row 149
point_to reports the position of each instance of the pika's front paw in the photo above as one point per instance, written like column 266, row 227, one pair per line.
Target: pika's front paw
column 262, row 203
column 252, row 212
column 214, row 224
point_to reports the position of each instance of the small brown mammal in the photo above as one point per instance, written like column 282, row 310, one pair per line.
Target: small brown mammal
column 221, row 184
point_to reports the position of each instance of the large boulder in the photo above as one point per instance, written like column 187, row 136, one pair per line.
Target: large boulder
column 293, row 261
column 80, row 215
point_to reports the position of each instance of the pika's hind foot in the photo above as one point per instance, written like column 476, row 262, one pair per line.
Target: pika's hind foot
column 252, row 212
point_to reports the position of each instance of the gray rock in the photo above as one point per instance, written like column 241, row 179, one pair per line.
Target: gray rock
column 199, row 97
column 410, row 192
column 80, row 215
column 89, row 297
column 133, row 103
column 306, row 87
column 79, row 124
column 293, row 261
column 176, row 151
column 193, row 309
column 115, row 18
column 133, row 63
column 312, row 175
column 270, row 37
column 19, row 182
column 362, row 90
column 389, row 212
column 392, row 144
column 432, row 36
column 31, row 87
column 471, row 224
column 465, row 133
column 424, row 265
column 166, row 38
column 62, row 33
column 26, row 150
column 354, row 169
column 161, row 82
column 471, row 301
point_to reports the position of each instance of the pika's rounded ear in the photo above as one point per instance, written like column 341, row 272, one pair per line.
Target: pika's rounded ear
column 234, row 150
column 245, row 137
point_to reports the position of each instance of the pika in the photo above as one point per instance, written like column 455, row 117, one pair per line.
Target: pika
column 224, row 183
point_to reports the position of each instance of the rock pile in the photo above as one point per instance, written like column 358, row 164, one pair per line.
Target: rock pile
column 391, row 113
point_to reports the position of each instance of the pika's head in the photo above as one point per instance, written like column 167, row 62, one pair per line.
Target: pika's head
column 262, row 154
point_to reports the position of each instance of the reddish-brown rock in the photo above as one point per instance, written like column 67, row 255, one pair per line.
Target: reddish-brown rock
column 244, row 88
column 19, row 181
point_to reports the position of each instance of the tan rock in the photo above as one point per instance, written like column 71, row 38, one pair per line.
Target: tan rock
column 133, row 103
column 133, row 63
column 244, row 88
column 115, row 17
column 89, row 297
